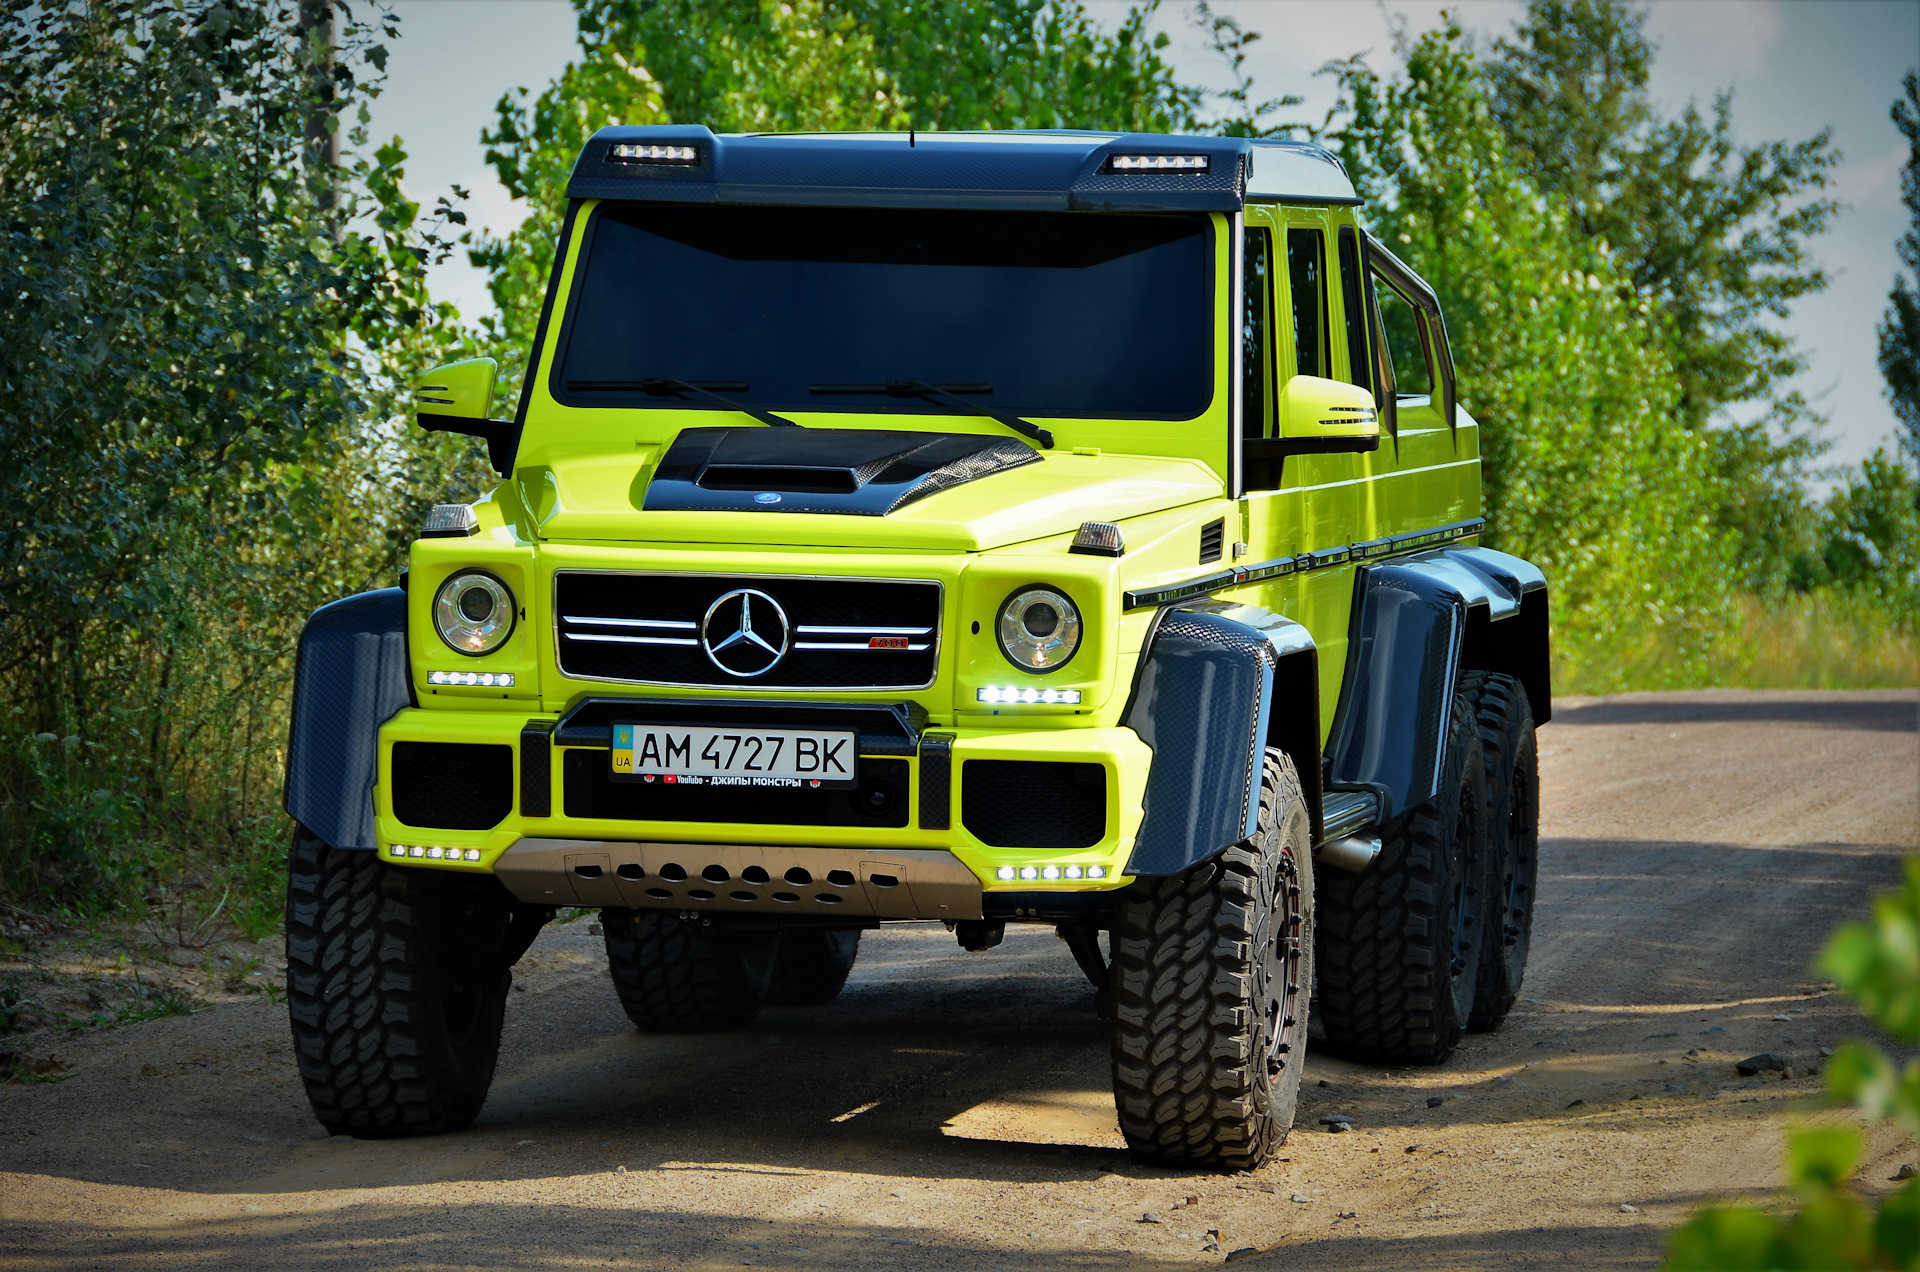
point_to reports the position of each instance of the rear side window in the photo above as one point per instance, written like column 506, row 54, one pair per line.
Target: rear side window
column 1256, row 331
column 1307, row 282
column 1353, row 294
column 1406, row 339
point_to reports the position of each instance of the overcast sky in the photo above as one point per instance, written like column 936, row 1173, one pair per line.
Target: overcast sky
column 1796, row 66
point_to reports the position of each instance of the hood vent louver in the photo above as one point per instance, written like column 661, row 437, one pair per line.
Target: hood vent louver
column 852, row 472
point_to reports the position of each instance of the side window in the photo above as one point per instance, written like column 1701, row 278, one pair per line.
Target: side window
column 1256, row 332
column 1405, row 329
column 1307, row 281
column 1353, row 294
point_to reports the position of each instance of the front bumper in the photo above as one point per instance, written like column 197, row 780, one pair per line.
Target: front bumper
column 926, row 836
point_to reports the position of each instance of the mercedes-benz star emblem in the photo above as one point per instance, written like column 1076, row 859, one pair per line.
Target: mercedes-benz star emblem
column 745, row 633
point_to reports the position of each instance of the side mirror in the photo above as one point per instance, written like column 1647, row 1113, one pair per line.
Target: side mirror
column 1320, row 416
column 455, row 399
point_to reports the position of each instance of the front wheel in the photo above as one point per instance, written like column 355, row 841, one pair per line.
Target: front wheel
column 1211, row 975
column 397, row 984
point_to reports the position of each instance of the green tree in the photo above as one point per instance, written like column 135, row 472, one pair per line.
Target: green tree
column 766, row 65
column 1715, row 233
column 1564, row 366
column 1900, row 330
column 187, row 463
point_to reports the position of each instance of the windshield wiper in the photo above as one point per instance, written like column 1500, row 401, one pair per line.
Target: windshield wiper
column 656, row 387
column 943, row 393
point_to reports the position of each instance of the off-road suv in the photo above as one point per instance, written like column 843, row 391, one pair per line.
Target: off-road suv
column 1060, row 528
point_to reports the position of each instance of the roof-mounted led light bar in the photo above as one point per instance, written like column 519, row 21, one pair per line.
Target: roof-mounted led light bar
column 1158, row 163
column 650, row 152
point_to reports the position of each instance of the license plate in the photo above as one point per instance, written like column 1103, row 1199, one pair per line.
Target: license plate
column 675, row 755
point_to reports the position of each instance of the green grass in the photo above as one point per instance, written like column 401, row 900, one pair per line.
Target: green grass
column 1822, row 640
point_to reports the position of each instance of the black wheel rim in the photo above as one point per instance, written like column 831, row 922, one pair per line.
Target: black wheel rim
column 1279, row 974
column 1466, row 900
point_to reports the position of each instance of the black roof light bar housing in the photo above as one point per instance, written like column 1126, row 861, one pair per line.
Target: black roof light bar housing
column 1033, row 171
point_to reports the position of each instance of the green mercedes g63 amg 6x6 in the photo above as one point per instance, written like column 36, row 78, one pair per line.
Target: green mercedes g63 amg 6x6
column 1061, row 528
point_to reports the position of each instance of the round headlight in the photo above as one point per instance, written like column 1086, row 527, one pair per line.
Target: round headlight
column 474, row 612
column 1039, row 629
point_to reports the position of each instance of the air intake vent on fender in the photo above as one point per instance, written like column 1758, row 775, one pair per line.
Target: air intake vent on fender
column 1212, row 536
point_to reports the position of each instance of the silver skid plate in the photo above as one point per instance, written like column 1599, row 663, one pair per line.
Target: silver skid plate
column 914, row 883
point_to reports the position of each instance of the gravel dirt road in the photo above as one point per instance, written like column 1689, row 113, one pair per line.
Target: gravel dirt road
column 952, row 1109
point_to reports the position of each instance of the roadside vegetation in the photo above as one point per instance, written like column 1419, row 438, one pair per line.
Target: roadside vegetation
column 216, row 291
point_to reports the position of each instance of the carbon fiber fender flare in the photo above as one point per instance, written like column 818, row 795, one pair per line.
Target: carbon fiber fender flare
column 1418, row 622
column 352, row 674
column 1218, row 684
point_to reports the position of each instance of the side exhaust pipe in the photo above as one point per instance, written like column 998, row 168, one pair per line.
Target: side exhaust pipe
column 1352, row 853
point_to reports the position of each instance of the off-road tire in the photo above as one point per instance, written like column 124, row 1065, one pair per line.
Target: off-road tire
column 678, row 975
column 1505, row 718
column 1399, row 942
column 397, row 984
column 810, row 966
column 1211, row 974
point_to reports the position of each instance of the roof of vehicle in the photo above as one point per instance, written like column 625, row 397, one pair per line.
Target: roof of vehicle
column 1032, row 171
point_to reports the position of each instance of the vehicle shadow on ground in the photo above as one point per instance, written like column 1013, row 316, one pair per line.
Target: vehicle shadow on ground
column 472, row 1233
column 1889, row 715
column 993, row 1067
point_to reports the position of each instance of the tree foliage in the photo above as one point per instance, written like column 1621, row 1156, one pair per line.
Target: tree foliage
column 186, row 465
column 1564, row 363
column 1900, row 330
column 1715, row 233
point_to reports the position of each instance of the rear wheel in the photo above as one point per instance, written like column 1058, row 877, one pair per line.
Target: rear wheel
column 1399, row 942
column 397, row 982
column 811, row 965
column 1210, row 978
column 1505, row 720
column 678, row 975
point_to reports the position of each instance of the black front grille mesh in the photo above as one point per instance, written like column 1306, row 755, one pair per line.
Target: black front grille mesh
column 880, row 799
column 452, row 785
column 1034, row 803
column 864, row 611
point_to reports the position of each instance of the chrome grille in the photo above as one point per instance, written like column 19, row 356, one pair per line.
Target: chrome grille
column 787, row 632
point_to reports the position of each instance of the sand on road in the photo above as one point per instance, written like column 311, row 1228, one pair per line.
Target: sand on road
column 951, row 1110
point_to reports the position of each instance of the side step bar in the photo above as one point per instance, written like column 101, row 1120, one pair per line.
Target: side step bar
column 1352, row 835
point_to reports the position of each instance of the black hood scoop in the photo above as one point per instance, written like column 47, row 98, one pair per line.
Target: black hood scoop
column 852, row 471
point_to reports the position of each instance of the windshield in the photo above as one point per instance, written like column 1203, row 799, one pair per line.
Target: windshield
column 1056, row 313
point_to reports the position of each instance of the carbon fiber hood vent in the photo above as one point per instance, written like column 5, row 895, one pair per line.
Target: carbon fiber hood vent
column 850, row 471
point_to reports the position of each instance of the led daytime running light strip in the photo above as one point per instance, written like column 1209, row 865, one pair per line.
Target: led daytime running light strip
column 1013, row 693
column 1007, row 874
column 433, row 854
column 490, row 679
